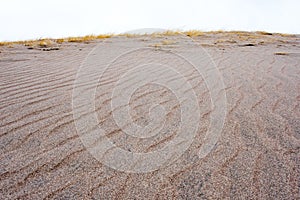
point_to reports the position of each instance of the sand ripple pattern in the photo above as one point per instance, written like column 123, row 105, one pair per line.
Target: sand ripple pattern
column 256, row 156
column 123, row 71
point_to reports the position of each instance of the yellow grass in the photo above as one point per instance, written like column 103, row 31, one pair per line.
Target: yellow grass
column 104, row 36
column 82, row 39
column 5, row 43
column 163, row 42
column 60, row 41
column 129, row 35
column 168, row 42
column 165, row 33
column 30, row 43
column 233, row 36
column 193, row 33
column 47, row 42
column 286, row 35
column 171, row 33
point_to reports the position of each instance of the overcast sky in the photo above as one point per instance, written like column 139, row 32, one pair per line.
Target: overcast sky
column 33, row 19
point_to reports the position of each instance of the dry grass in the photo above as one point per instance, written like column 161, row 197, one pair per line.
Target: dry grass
column 86, row 38
column 60, row 41
column 190, row 33
column 232, row 36
column 171, row 33
column 48, row 42
column 286, row 35
column 104, row 36
column 29, row 43
column 194, row 33
column 162, row 43
column 164, row 34
column 168, row 42
column 6, row 43
column 45, row 43
column 129, row 35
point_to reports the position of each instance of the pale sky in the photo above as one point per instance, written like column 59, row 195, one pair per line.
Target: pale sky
column 33, row 19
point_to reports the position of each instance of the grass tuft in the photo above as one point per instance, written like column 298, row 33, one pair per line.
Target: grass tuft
column 104, row 36
column 168, row 42
column 60, row 41
column 44, row 43
column 194, row 33
column 129, row 35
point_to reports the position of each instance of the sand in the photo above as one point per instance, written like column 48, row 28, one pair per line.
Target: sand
column 255, row 157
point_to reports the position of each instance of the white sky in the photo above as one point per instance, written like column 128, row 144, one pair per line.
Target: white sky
column 32, row 19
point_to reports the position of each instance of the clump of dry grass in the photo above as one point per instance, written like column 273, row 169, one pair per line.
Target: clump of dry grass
column 163, row 42
column 45, row 43
column 29, row 43
column 104, row 36
column 194, row 33
column 165, row 33
column 81, row 39
column 60, row 40
column 168, row 42
column 171, row 33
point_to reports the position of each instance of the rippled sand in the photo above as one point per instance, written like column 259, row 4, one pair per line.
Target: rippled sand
column 256, row 156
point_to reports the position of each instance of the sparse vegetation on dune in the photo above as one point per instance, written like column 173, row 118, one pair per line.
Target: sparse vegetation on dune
column 168, row 42
column 87, row 38
column 129, row 35
column 48, row 42
column 229, row 37
column 194, row 33
column 163, row 43
column 30, row 43
column 60, row 41
column 104, row 36
column 45, row 43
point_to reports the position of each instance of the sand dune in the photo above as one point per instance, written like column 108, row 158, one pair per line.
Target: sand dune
column 256, row 156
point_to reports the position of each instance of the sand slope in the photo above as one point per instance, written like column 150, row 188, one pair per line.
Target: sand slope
column 257, row 155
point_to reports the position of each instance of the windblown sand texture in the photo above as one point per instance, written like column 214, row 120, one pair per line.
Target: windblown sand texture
column 256, row 157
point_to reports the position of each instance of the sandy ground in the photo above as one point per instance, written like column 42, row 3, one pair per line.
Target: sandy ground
column 256, row 156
